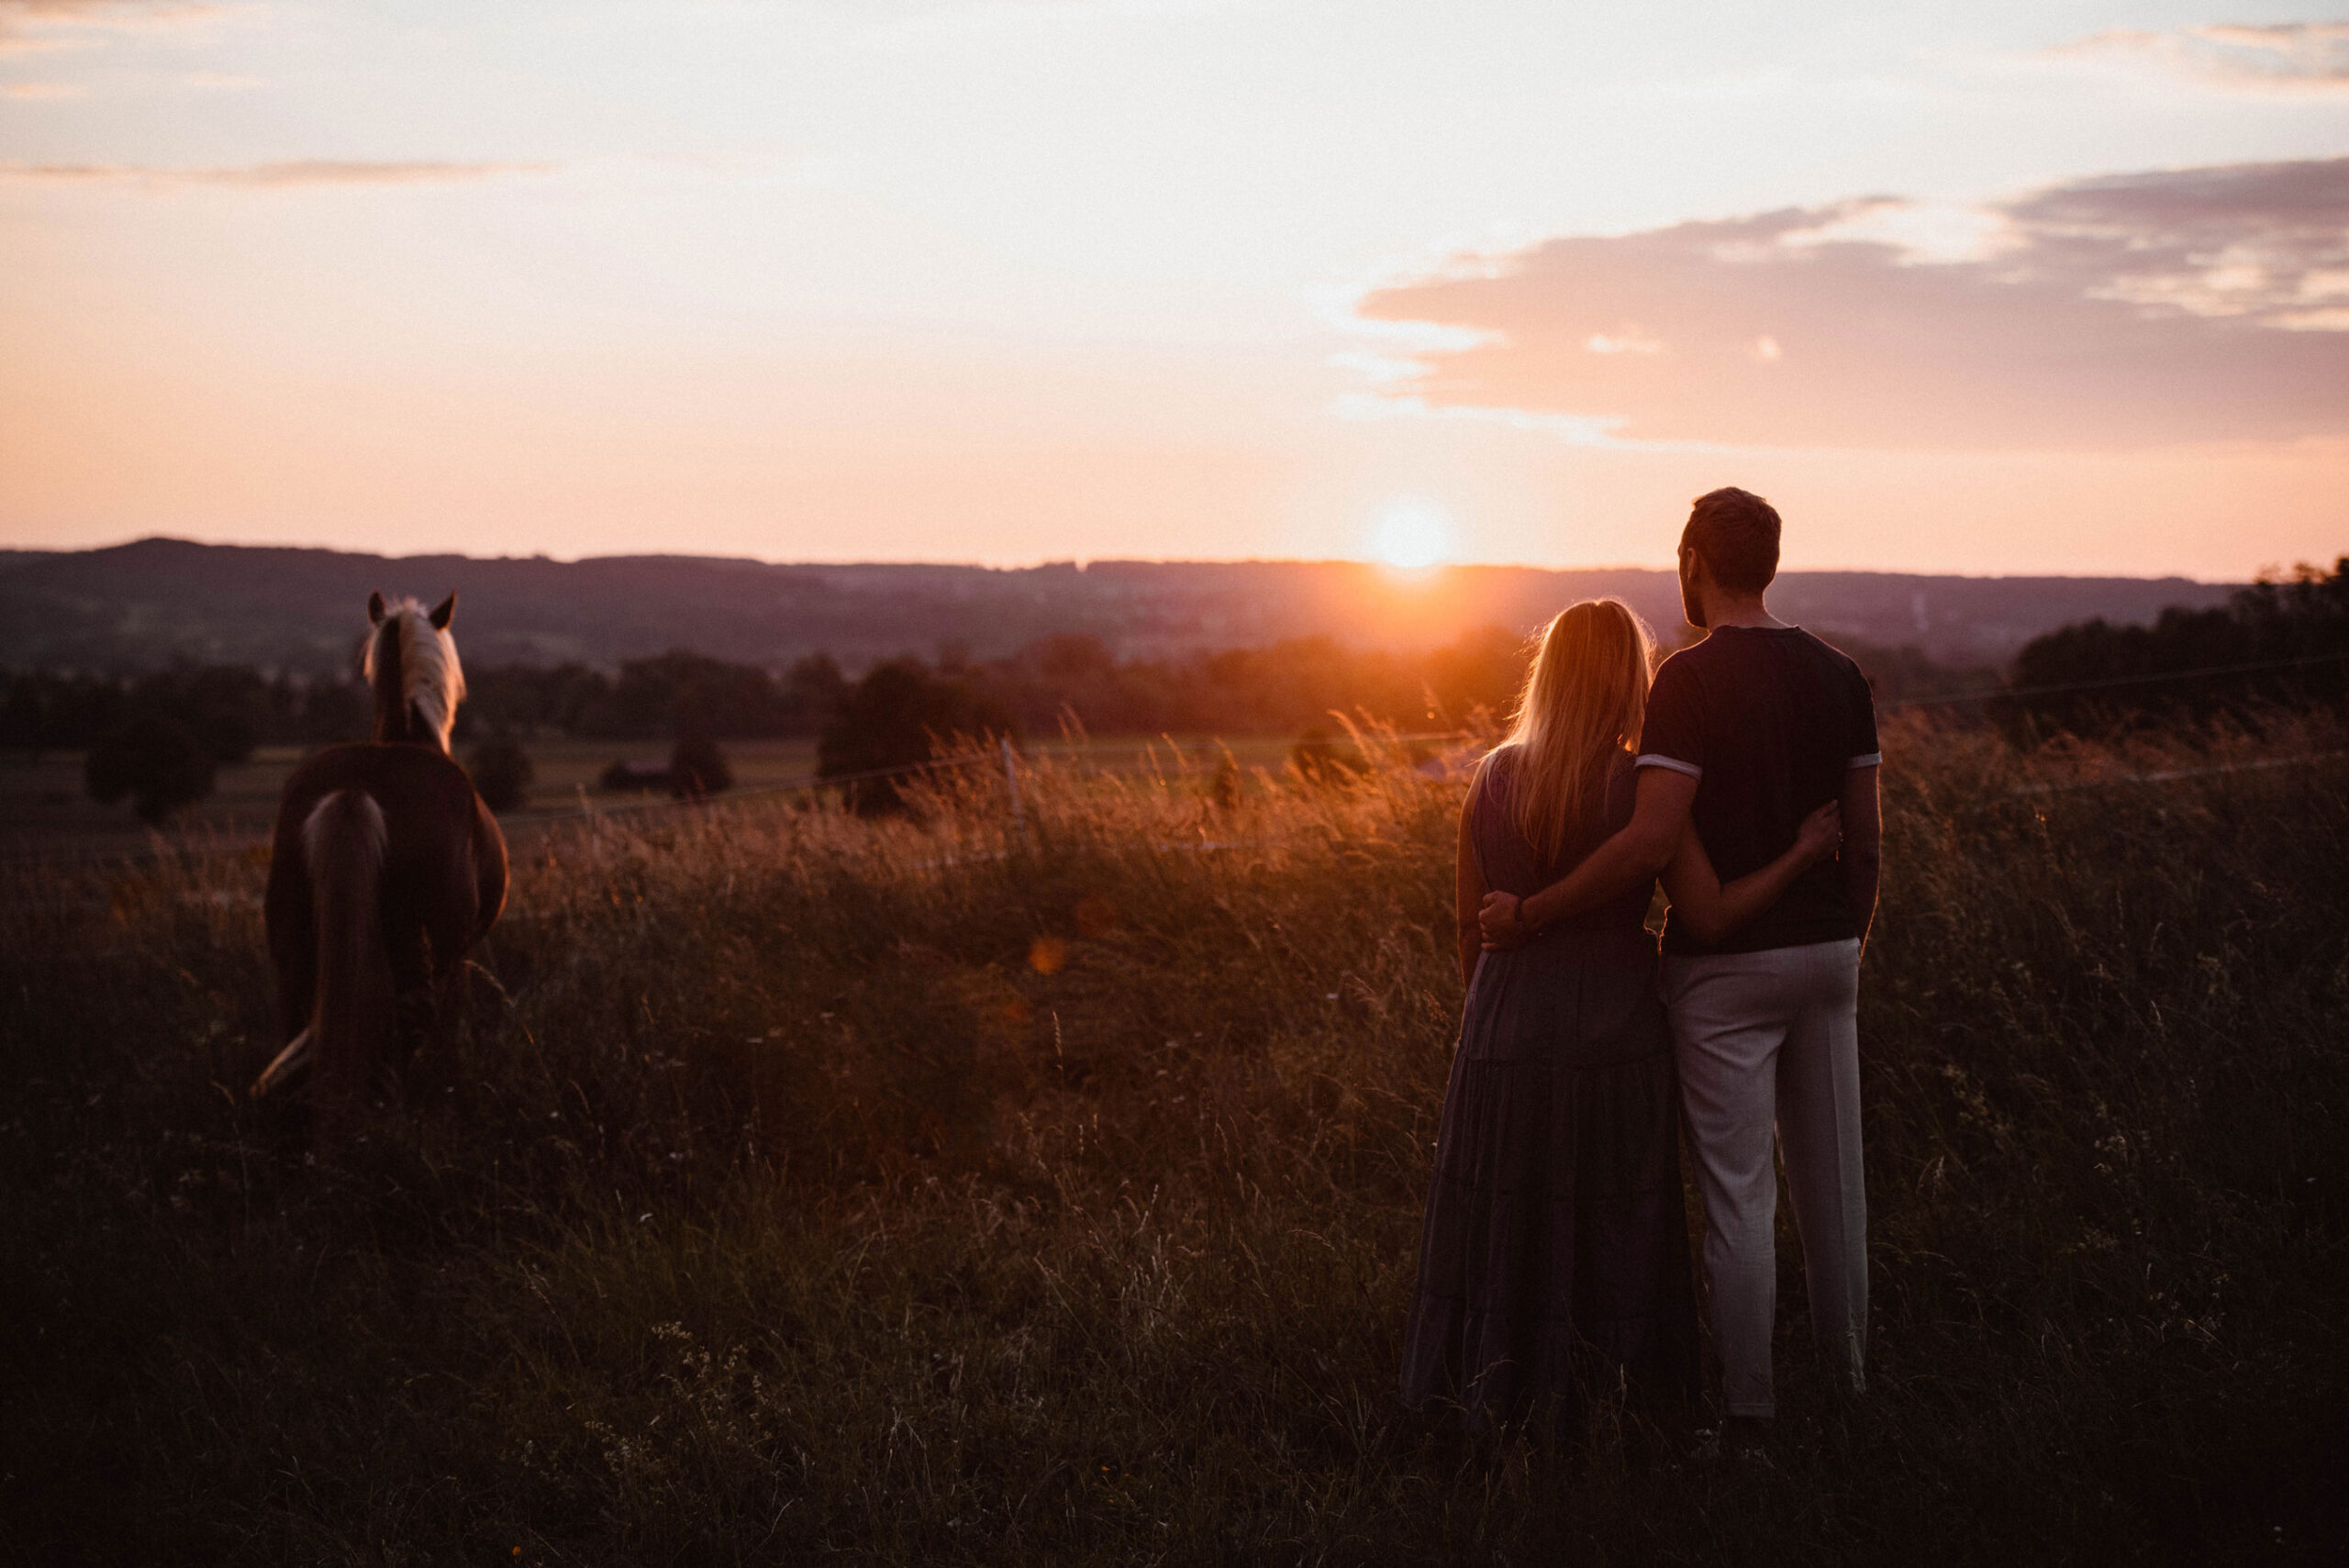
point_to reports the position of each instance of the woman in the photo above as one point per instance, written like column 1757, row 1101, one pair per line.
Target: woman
column 1555, row 1256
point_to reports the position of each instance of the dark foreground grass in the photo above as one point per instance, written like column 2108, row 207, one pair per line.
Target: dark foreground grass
column 806, row 1188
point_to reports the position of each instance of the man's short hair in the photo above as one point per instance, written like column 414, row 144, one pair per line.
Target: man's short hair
column 1736, row 531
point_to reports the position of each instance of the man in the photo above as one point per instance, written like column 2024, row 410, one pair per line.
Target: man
column 1746, row 733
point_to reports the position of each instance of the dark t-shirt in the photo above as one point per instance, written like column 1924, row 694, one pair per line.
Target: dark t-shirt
column 1767, row 720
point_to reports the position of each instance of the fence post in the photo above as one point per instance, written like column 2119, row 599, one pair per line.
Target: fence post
column 1011, row 782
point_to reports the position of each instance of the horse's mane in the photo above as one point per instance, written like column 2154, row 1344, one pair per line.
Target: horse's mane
column 431, row 681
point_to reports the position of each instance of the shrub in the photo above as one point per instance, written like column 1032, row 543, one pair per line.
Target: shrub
column 502, row 773
column 153, row 761
column 697, row 769
column 898, row 716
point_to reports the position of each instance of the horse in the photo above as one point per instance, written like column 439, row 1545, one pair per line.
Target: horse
column 386, row 870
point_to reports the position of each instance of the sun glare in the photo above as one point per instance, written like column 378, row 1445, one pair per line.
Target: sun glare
column 1411, row 533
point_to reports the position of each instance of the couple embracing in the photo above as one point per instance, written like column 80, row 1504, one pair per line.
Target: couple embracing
column 1555, row 1259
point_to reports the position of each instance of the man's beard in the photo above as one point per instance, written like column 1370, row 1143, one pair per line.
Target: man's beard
column 1690, row 605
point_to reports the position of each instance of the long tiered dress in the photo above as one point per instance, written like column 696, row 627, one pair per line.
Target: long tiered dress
column 1555, row 1259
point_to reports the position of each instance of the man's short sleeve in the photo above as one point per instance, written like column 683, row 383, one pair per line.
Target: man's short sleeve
column 1862, row 749
column 1674, row 735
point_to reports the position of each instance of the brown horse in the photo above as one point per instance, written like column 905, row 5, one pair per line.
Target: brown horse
column 386, row 868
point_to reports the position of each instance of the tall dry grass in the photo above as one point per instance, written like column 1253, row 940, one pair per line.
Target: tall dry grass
column 944, row 1189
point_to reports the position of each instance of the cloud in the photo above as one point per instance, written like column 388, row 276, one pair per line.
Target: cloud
column 2291, row 56
column 962, row 19
column 119, row 16
column 37, row 90
column 2177, row 306
column 309, row 171
column 38, row 27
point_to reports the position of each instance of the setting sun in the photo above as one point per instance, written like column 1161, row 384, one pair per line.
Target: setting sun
column 1411, row 533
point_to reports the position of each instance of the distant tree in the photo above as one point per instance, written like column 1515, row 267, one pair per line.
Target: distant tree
column 679, row 692
column 1907, row 673
column 20, row 713
column 811, row 690
column 1072, row 656
column 48, row 711
column 1481, row 672
column 153, row 761
column 2093, row 675
column 225, row 707
column 502, row 773
column 900, row 715
column 336, row 710
column 698, row 769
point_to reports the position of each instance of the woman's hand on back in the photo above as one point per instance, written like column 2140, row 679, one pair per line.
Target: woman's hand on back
column 1821, row 833
column 1503, row 922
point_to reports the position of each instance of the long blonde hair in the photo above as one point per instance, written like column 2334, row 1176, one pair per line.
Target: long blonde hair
column 1585, row 697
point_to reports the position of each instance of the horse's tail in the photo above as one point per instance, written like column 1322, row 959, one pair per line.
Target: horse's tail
column 343, row 843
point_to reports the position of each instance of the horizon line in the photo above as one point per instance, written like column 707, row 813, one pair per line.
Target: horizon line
column 1082, row 563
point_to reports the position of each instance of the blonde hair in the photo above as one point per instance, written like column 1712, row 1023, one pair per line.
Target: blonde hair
column 1585, row 697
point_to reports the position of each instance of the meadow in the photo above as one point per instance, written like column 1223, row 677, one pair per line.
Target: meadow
column 47, row 815
column 45, row 812
column 982, row 1187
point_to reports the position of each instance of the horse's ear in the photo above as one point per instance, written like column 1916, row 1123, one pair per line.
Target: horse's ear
column 444, row 612
column 375, row 608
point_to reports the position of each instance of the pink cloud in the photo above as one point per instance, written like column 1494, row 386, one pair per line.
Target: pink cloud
column 2177, row 306
column 307, row 172
column 2277, row 55
column 36, row 26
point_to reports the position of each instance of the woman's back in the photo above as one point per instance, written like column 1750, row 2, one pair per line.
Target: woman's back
column 1508, row 863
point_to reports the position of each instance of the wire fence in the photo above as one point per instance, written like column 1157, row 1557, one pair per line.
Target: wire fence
column 157, row 848
column 2112, row 683
column 2175, row 775
column 1005, row 754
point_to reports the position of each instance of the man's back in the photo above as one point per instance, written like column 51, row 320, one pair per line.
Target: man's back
column 1768, row 721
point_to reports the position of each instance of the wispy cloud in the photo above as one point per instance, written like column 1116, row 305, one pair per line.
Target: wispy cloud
column 962, row 19
column 267, row 176
column 39, row 90
column 42, row 27
column 121, row 16
column 2182, row 305
column 2278, row 56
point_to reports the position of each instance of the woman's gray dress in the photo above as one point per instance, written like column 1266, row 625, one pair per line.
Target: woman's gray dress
column 1555, row 1257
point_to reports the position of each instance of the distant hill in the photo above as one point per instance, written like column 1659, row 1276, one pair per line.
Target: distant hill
column 145, row 605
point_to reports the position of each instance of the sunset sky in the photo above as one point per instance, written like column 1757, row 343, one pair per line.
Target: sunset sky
column 2005, row 287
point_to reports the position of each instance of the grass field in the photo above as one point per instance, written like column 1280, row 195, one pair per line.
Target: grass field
column 46, row 813
column 804, row 1187
column 46, row 810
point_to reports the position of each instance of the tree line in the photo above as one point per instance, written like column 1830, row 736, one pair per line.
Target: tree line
column 157, row 737
column 229, row 709
column 2279, row 643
